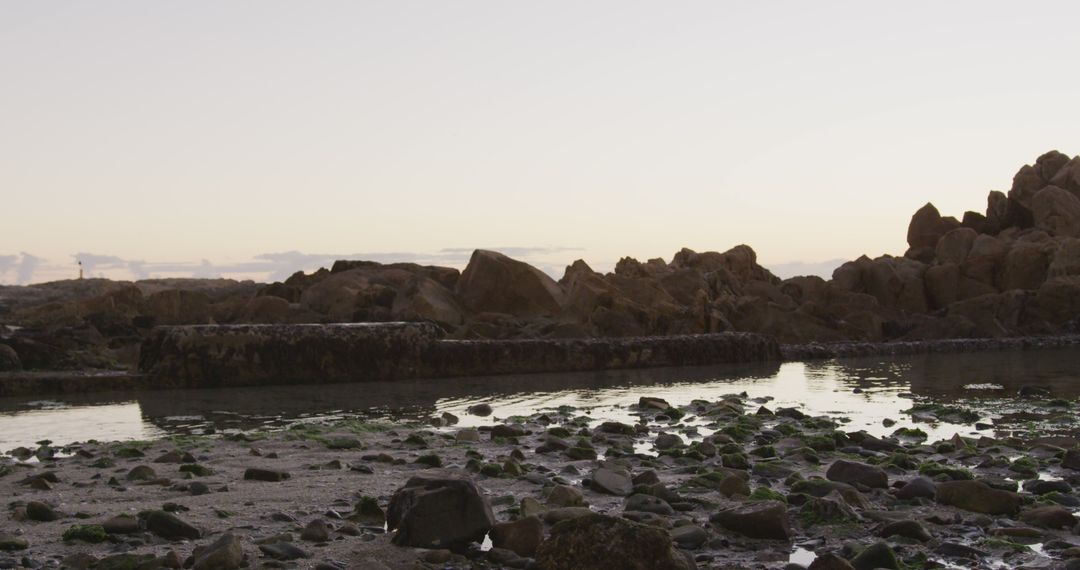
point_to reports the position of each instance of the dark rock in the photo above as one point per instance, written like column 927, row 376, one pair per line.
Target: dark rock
column 316, row 531
column 522, row 536
column 283, row 550
column 168, row 526
column 439, row 509
column 757, row 519
column 225, row 553
column 612, row 480
column 1049, row 517
column 269, row 475
column 830, row 561
column 919, row 487
column 978, row 497
column 38, row 511
column 121, row 524
column 908, row 528
column 852, row 472
column 877, row 555
column 601, row 542
column 689, row 536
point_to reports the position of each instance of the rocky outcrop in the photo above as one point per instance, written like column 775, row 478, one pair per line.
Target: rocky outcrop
column 604, row 542
column 1010, row 270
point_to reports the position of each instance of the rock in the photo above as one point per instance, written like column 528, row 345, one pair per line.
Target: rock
column 734, row 485
column 1056, row 211
column 121, row 524
column 316, row 531
column 507, row 430
column 565, row 496
column 650, row 403
column 601, row 542
column 269, row 475
column 647, row 504
column 926, row 228
column 168, row 526
column 9, row 542
column 877, row 555
column 38, row 511
column 439, row 509
column 283, row 550
column 852, row 473
column 668, row 441
column 141, row 473
column 1049, row 517
column 757, row 519
column 978, row 497
column 830, row 561
column 1071, row 460
column 225, row 553
column 522, row 536
column 494, row 283
column 919, row 487
column 953, row 247
column 689, row 536
column 482, row 410
column 554, row 516
column 908, row 528
column 9, row 359
column 613, row 481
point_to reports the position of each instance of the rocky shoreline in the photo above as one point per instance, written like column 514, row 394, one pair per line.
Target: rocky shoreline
column 710, row 484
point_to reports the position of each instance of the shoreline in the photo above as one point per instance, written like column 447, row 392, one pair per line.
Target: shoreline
column 727, row 483
column 43, row 382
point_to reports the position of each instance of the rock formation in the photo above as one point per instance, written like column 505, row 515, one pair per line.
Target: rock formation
column 1011, row 270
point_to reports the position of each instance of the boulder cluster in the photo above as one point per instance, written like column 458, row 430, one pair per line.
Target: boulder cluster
column 1013, row 270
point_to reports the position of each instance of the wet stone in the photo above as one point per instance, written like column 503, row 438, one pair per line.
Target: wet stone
column 268, row 475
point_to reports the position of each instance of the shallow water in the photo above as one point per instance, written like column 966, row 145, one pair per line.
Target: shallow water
column 864, row 390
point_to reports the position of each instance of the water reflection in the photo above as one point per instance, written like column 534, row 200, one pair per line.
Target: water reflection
column 865, row 390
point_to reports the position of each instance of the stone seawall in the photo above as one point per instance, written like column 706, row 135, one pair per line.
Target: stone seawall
column 824, row 351
column 247, row 355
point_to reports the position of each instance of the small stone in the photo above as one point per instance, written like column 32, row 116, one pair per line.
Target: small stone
column 522, row 536
column 908, row 528
column 482, row 410
column 316, row 531
column 168, row 526
column 877, row 555
column 141, row 473
column 121, row 524
column 225, row 553
column 689, row 536
column 9, row 542
column 269, row 475
column 614, row 481
column 38, row 511
column 565, row 496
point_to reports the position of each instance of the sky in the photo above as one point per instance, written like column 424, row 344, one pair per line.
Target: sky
column 238, row 137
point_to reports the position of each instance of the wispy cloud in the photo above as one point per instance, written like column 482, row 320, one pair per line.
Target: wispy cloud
column 275, row 266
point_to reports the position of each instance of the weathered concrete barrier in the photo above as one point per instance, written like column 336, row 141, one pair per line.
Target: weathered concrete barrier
column 477, row 357
column 824, row 351
column 246, row 355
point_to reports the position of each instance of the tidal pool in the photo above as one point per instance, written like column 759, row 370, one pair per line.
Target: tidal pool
column 868, row 392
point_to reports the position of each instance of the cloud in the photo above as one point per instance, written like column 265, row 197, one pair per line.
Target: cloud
column 29, row 264
column 274, row 266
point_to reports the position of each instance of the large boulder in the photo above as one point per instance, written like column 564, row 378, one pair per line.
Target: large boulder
column 601, row 542
column 439, row 509
column 953, row 247
column 853, row 472
column 1056, row 211
column 9, row 359
column 1059, row 299
column 1067, row 175
column 494, row 283
column 926, row 228
column 424, row 299
column 1025, row 265
column 1066, row 259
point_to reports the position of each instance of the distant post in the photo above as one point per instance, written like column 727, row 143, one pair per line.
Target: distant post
column 80, row 270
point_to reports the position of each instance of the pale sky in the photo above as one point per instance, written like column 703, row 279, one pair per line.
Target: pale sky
column 176, row 132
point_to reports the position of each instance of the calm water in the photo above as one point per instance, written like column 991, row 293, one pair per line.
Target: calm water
column 866, row 391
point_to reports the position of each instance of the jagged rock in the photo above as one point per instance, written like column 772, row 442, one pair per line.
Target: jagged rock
column 439, row 509
column 601, row 542
column 1056, row 211
column 492, row 282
